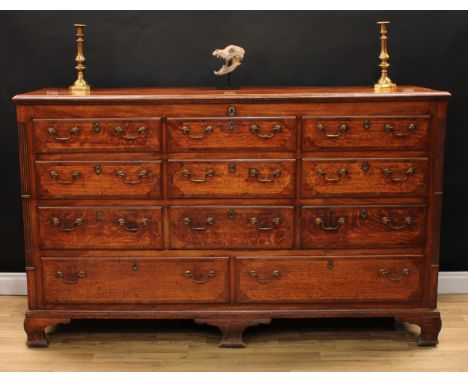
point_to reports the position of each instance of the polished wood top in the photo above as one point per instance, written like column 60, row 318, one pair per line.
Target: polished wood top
column 255, row 94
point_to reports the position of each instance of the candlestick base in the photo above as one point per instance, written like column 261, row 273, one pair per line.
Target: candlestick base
column 80, row 89
column 386, row 87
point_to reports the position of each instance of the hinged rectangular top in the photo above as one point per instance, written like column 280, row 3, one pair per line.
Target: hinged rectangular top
column 254, row 94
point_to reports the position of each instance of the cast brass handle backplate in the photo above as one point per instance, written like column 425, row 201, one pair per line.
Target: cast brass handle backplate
column 71, row 279
column 276, row 221
column 255, row 129
column 55, row 175
column 406, row 174
column 120, row 131
column 73, row 131
column 394, row 275
column 203, row 279
column 186, row 131
column 274, row 275
column 121, row 174
column 342, row 129
column 253, row 172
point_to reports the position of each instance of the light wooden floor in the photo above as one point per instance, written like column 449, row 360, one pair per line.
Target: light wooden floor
column 289, row 345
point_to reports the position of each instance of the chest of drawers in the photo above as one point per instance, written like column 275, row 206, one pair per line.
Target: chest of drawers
column 232, row 207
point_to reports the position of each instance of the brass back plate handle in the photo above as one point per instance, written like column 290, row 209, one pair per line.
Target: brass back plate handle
column 132, row 226
column 341, row 173
column 393, row 274
column 73, row 131
column 188, row 174
column 119, row 130
column 72, row 279
column 389, row 222
column 340, row 222
column 253, row 172
column 56, row 222
column 186, row 131
column 121, row 174
column 342, row 129
column 263, row 226
column 55, row 175
column 255, row 129
column 391, row 129
column 274, row 275
column 209, row 221
column 389, row 172
column 190, row 275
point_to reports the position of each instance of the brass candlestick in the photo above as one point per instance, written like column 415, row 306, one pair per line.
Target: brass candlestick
column 384, row 83
column 80, row 86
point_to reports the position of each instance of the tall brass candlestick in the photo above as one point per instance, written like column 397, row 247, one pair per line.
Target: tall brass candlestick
column 384, row 83
column 80, row 86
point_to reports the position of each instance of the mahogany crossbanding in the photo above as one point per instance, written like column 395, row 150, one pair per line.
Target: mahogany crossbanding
column 232, row 207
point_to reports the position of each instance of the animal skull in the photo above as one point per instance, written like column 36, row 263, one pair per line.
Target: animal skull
column 233, row 56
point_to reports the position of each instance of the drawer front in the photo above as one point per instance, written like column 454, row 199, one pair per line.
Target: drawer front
column 231, row 178
column 307, row 279
column 364, row 177
column 100, row 227
column 136, row 280
column 99, row 179
column 376, row 133
column 195, row 134
column 231, row 227
column 101, row 134
column 360, row 226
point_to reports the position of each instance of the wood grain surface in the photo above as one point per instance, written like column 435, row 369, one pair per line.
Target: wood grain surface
column 285, row 345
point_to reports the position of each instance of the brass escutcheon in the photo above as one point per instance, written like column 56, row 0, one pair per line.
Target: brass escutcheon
column 231, row 111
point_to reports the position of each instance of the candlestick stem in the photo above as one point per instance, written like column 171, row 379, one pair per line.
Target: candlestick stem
column 384, row 83
column 80, row 86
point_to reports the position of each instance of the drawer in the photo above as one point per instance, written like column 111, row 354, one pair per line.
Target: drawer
column 100, row 134
column 360, row 226
column 100, row 227
column 309, row 280
column 113, row 179
column 195, row 134
column 231, row 227
column 364, row 177
column 242, row 178
column 376, row 133
column 135, row 280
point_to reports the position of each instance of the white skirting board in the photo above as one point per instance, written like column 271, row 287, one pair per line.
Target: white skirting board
column 449, row 282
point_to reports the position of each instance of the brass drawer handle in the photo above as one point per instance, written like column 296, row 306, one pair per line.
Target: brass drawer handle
column 188, row 174
column 274, row 275
column 388, row 221
column 73, row 131
column 394, row 275
column 341, row 173
column 342, row 129
column 340, row 222
column 73, row 279
column 132, row 226
column 186, row 130
column 391, row 129
column 209, row 221
column 120, row 132
column 56, row 222
column 389, row 172
column 255, row 129
column 263, row 227
column 190, row 275
column 123, row 175
column 253, row 172
column 55, row 175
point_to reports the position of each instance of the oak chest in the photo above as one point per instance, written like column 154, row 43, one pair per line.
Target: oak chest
column 232, row 207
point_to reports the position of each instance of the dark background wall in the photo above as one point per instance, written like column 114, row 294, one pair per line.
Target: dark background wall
column 309, row 48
